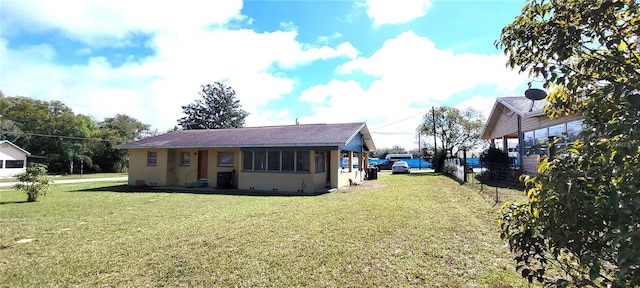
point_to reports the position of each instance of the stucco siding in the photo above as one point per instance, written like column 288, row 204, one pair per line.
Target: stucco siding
column 265, row 181
column 141, row 174
column 214, row 168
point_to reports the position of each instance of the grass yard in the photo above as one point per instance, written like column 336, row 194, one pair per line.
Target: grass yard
column 74, row 176
column 397, row 231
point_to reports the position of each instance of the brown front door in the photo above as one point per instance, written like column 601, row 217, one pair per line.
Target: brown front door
column 203, row 164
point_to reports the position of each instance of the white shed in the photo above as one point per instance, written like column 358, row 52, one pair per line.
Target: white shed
column 13, row 159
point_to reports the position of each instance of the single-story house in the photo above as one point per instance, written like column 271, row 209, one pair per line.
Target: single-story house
column 524, row 120
column 289, row 158
column 13, row 159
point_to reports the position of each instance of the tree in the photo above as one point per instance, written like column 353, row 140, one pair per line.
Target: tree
column 455, row 129
column 34, row 182
column 582, row 211
column 111, row 132
column 217, row 109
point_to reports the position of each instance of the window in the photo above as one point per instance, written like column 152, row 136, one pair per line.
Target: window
column 225, row 159
column 303, row 161
column 185, row 158
column 15, row 163
column 152, row 158
column 280, row 161
column 528, row 141
column 319, row 161
column 288, row 161
column 573, row 129
column 274, row 160
column 260, row 160
column 1, row 162
column 247, row 160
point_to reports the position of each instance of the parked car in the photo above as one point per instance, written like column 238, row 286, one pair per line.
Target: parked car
column 386, row 165
column 400, row 167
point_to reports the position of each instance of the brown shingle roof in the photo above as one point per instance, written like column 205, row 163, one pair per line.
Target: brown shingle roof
column 268, row 136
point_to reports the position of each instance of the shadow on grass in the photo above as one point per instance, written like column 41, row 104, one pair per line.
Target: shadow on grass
column 124, row 188
column 15, row 202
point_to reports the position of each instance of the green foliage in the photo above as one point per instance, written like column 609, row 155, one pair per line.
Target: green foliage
column 34, row 125
column 580, row 225
column 495, row 160
column 455, row 129
column 449, row 168
column 437, row 163
column 34, row 182
column 217, row 109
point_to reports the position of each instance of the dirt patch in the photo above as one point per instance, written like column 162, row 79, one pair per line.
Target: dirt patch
column 363, row 185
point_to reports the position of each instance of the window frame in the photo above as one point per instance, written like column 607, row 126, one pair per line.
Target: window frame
column 301, row 160
column 319, row 161
column 271, row 158
column 152, row 158
column 222, row 155
column 259, row 157
column 185, row 161
column 247, row 155
column 17, row 161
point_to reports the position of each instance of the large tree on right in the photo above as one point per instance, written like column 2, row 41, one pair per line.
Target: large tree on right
column 581, row 223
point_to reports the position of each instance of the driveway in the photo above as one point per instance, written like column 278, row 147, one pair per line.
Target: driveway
column 8, row 184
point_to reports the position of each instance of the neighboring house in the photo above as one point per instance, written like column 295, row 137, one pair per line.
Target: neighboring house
column 524, row 120
column 293, row 158
column 13, row 159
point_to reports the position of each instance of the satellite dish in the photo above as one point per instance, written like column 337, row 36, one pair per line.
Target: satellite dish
column 535, row 94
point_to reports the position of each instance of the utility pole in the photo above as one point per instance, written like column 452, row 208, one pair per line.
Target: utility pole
column 419, row 151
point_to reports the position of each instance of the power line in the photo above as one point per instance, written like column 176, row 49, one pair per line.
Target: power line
column 389, row 124
column 60, row 136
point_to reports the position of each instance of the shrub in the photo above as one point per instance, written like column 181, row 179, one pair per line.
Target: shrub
column 34, row 182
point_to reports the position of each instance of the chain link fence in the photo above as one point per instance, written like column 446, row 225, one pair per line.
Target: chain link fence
column 497, row 182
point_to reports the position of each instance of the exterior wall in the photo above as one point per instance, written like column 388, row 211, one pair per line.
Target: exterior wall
column 268, row 181
column 178, row 174
column 334, row 168
column 355, row 175
column 212, row 172
column 141, row 174
column 530, row 164
column 9, row 152
column 168, row 171
column 529, row 124
column 508, row 124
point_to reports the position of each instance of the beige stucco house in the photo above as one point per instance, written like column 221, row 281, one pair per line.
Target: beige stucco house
column 13, row 159
column 524, row 120
column 291, row 158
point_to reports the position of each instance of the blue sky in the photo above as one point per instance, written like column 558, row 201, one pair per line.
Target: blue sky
column 379, row 61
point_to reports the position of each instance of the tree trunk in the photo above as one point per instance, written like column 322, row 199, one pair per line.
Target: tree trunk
column 31, row 197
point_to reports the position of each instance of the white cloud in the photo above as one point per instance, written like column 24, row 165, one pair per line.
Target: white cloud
column 411, row 75
column 396, row 12
column 112, row 22
column 153, row 89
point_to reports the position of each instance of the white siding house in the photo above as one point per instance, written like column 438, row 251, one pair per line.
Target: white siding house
column 521, row 119
column 13, row 159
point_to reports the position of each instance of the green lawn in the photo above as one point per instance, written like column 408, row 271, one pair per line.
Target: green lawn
column 75, row 176
column 399, row 230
